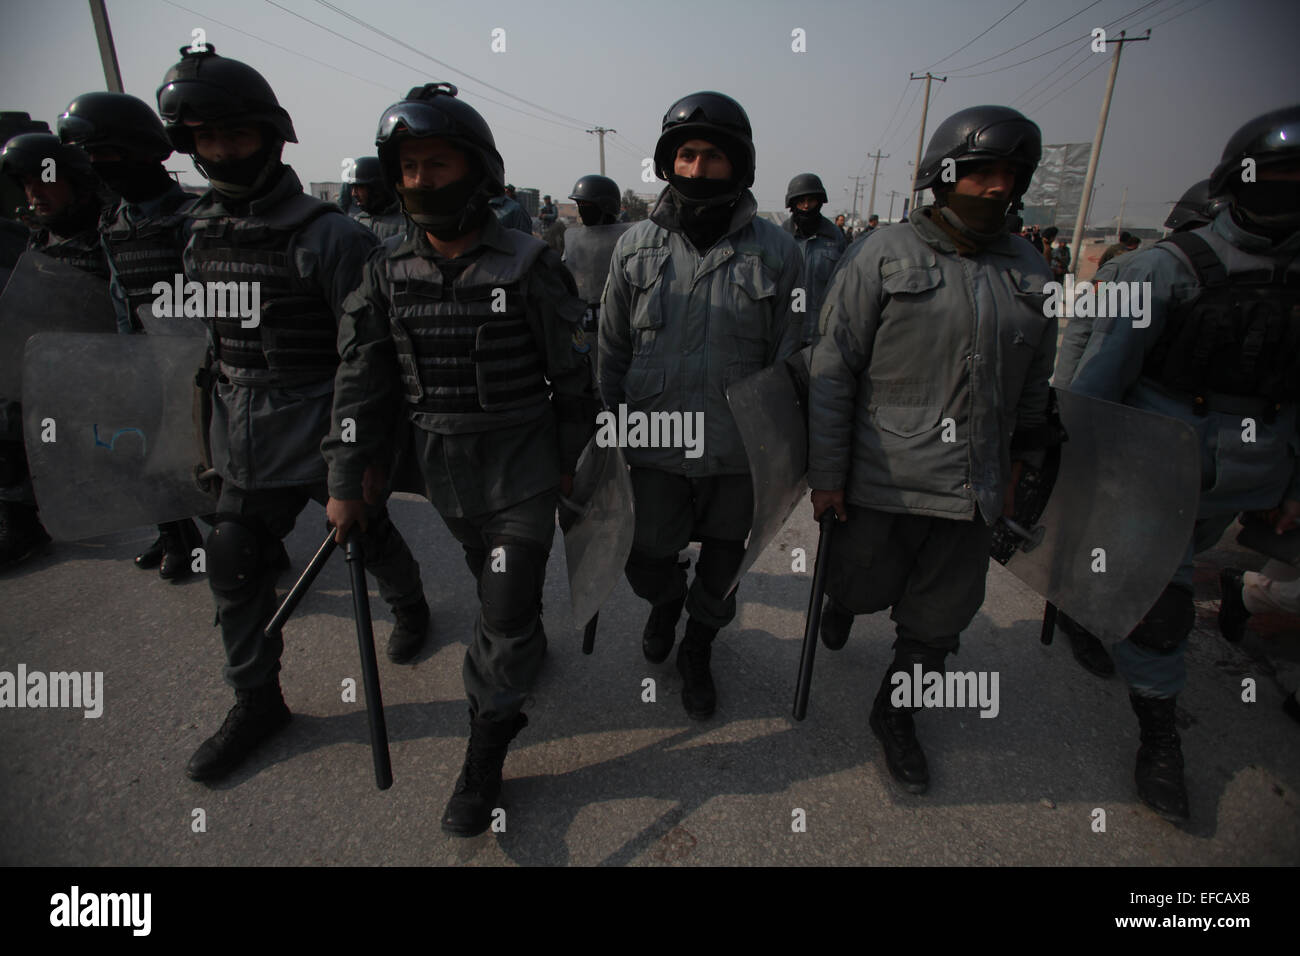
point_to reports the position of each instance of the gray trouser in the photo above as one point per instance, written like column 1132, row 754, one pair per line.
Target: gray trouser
column 929, row 570
column 1152, row 672
column 506, row 552
column 671, row 512
column 252, row 658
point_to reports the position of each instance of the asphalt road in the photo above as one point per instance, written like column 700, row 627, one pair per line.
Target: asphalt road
column 602, row 776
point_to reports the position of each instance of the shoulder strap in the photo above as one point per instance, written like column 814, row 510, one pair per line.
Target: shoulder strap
column 1205, row 261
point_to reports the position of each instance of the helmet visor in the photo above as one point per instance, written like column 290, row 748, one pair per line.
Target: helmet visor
column 76, row 130
column 418, row 119
column 707, row 108
column 187, row 98
column 1013, row 139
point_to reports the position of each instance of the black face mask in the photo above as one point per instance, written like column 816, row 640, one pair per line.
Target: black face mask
column 136, row 182
column 806, row 221
column 984, row 217
column 244, row 179
column 704, row 192
column 1269, row 207
column 591, row 214
column 81, row 215
column 377, row 200
column 445, row 212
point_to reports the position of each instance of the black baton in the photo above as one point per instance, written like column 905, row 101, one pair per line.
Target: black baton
column 369, row 667
column 299, row 589
column 589, row 634
column 1049, row 623
column 813, row 626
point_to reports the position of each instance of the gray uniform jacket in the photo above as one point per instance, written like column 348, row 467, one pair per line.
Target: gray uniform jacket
column 138, row 214
column 265, row 436
column 677, row 329
column 821, row 253
column 1236, row 475
column 510, row 214
column 389, row 222
column 918, row 344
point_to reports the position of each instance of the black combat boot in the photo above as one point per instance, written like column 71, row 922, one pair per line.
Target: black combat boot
column 699, row 696
column 895, row 728
column 469, row 812
column 257, row 714
column 661, row 630
column 152, row 556
column 1232, row 609
column 179, row 539
column 409, row 632
column 836, row 622
column 1088, row 650
column 22, row 536
column 1159, row 773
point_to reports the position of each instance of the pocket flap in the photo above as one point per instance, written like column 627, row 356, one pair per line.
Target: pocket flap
column 643, row 383
column 907, row 421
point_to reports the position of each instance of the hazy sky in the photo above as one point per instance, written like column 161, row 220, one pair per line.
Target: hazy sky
column 1209, row 66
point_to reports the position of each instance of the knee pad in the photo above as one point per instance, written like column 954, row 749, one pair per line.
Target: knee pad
column 511, row 595
column 235, row 547
column 1168, row 623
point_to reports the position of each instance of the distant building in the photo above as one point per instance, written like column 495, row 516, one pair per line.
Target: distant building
column 330, row 192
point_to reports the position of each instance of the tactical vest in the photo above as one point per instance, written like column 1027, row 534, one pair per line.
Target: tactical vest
column 148, row 252
column 297, row 331
column 82, row 251
column 1239, row 337
column 466, row 347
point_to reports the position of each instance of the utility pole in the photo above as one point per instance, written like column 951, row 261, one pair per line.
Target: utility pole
column 601, row 131
column 920, row 140
column 857, row 191
column 871, row 203
column 1119, row 224
column 104, row 35
column 893, row 194
column 1096, row 143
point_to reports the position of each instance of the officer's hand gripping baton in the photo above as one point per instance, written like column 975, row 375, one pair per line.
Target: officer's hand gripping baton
column 365, row 642
column 813, row 626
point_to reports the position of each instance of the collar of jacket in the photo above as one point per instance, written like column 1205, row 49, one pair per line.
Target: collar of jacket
column 665, row 212
column 825, row 229
column 934, row 236
column 1229, row 229
column 164, row 204
column 211, row 205
column 492, row 234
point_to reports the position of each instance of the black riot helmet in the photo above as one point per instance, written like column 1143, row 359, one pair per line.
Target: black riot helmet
column 25, row 155
column 367, row 171
column 433, row 110
column 205, row 86
column 805, row 184
column 710, row 116
column 118, row 120
column 600, row 190
column 983, row 133
column 1269, row 139
column 1196, row 208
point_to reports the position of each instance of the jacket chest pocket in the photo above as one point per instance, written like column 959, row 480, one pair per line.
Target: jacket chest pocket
column 1028, row 317
column 746, row 315
column 910, row 280
column 644, row 272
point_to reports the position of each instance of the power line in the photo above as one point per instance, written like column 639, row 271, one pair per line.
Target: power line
column 392, row 39
column 995, row 56
column 1038, row 91
column 916, row 94
column 972, row 40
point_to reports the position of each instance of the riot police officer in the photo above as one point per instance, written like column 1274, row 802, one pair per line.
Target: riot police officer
column 699, row 296
column 510, row 213
column 914, row 440
column 820, row 243
column 143, row 239
column 472, row 328
column 587, row 248
column 66, row 199
column 377, row 206
column 1218, row 348
column 272, row 397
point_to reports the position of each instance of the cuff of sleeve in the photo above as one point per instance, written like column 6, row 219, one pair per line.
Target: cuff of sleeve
column 345, row 485
column 826, row 480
